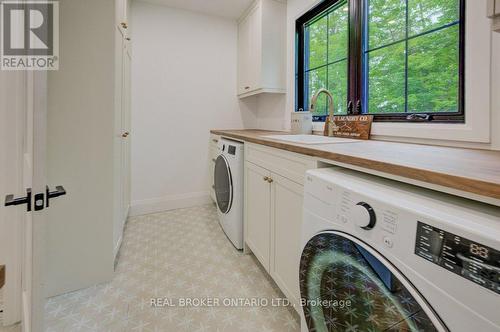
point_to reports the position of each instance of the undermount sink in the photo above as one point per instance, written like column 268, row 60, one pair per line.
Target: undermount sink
column 310, row 139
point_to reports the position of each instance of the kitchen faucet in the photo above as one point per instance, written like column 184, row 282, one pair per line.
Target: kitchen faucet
column 329, row 119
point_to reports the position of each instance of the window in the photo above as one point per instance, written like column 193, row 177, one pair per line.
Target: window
column 400, row 60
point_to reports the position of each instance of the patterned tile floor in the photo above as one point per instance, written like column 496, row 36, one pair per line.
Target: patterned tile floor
column 175, row 255
column 12, row 328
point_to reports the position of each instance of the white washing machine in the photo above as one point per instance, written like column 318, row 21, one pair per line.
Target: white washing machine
column 228, row 185
column 379, row 255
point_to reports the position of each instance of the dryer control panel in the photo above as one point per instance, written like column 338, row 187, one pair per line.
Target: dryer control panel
column 469, row 259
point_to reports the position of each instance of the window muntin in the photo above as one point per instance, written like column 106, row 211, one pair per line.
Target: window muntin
column 399, row 57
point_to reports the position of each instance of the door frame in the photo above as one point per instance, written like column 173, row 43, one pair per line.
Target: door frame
column 13, row 94
column 24, row 118
column 33, row 289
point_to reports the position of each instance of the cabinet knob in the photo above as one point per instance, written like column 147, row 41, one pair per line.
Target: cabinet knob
column 125, row 134
column 266, row 178
column 270, row 180
column 124, row 25
column 247, row 87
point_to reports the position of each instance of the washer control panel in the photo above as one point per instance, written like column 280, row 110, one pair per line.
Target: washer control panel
column 469, row 259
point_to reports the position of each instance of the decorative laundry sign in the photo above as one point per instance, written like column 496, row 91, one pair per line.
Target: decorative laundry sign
column 352, row 126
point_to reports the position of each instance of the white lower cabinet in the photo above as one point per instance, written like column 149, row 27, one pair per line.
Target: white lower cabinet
column 286, row 224
column 273, row 213
column 258, row 213
column 212, row 156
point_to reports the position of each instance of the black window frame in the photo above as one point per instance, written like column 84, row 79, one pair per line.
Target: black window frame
column 356, row 76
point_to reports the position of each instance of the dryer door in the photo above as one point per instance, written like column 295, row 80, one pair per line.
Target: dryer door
column 223, row 184
column 347, row 286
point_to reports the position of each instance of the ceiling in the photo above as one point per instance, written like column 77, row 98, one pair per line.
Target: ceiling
column 231, row 9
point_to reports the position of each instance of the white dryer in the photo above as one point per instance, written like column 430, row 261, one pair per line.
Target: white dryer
column 228, row 185
column 380, row 255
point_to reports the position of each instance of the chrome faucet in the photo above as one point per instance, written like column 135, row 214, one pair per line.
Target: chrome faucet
column 328, row 123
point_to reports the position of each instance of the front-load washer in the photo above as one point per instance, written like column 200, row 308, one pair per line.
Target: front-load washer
column 379, row 255
column 228, row 185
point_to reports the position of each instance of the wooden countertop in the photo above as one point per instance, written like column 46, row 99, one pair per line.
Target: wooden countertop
column 468, row 170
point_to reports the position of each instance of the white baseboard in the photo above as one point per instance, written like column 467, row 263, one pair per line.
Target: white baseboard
column 154, row 205
column 118, row 243
column 117, row 247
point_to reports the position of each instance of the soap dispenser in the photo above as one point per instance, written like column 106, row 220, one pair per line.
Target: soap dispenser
column 302, row 123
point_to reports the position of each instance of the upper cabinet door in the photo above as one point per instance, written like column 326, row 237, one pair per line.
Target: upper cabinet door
column 122, row 13
column 254, row 60
column 244, row 41
column 261, row 49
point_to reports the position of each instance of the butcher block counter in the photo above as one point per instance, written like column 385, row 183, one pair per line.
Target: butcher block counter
column 465, row 172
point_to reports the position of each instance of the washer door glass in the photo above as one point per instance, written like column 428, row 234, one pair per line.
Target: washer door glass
column 344, row 287
column 223, row 184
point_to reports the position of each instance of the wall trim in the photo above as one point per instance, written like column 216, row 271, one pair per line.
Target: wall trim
column 117, row 248
column 172, row 202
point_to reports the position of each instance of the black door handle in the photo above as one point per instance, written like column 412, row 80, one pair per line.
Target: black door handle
column 11, row 201
column 60, row 191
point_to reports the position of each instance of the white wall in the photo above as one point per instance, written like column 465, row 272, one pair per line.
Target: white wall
column 183, row 85
column 269, row 111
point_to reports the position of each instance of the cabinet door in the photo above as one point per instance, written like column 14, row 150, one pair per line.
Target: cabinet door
column 126, row 128
column 213, row 152
column 287, row 202
column 121, row 11
column 118, row 141
column 249, row 51
column 244, row 55
column 255, row 48
column 258, row 212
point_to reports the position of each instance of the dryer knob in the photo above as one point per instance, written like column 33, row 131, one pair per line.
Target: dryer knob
column 364, row 216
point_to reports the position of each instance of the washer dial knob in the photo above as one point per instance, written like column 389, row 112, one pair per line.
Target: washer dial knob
column 364, row 216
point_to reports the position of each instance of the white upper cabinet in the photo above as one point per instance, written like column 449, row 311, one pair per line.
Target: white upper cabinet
column 122, row 13
column 261, row 49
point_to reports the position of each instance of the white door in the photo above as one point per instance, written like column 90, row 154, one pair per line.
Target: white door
column 24, row 106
